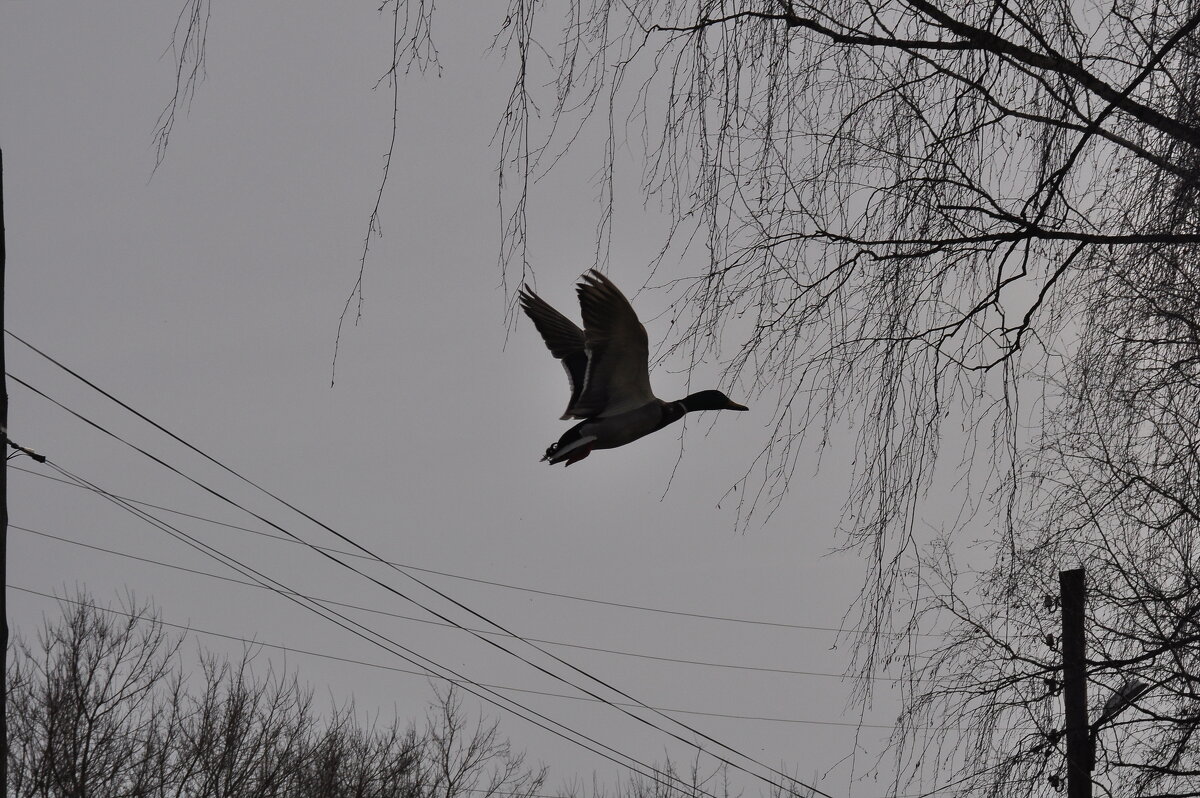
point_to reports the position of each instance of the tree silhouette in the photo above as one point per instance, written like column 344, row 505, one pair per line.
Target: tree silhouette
column 926, row 223
column 99, row 707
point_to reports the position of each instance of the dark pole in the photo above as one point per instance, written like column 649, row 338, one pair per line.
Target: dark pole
column 1079, row 755
column 3, row 497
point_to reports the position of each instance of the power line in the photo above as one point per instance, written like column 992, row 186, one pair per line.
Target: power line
column 426, row 674
column 432, row 589
column 290, row 595
column 399, row 616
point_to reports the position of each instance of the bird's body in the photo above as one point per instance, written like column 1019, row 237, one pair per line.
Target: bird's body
column 609, row 432
column 607, row 365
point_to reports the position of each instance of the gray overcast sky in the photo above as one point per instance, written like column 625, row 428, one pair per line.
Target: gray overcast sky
column 208, row 298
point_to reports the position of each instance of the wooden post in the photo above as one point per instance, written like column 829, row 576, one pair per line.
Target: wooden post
column 3, row 498
column 1079, row 750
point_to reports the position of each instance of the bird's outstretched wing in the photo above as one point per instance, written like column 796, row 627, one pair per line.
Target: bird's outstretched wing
column 618, row 374
column 563, row 338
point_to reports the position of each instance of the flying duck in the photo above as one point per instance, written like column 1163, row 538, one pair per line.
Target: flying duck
column 607, row 364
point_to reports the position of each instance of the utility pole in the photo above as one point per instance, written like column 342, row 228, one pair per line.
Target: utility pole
column 1072, row 592
column 3, row 497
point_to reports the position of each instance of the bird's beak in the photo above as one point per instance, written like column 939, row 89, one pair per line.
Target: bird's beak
column 735, row 406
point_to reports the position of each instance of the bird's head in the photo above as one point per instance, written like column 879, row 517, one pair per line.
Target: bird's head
column 709, row 400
